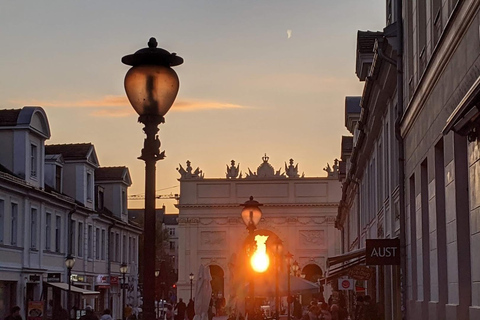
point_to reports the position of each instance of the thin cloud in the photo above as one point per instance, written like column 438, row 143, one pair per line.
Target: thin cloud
column 118, row 106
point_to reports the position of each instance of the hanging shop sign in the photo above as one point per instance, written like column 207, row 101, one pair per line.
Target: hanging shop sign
column 34, row 278
column 382, row 252
column 35, row 310
column 114, row 280
column 345, row 284
column 360, row 273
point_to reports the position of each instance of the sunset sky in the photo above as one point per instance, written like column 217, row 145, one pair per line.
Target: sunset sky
column 259, row 77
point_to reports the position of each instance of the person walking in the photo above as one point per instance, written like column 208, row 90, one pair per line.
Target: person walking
column 181, row 307
column 191, row 309
column 106, row 315
column 89, row 314
column 14, row 314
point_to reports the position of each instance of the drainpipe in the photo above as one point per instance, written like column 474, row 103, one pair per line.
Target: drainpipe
column 401, row 161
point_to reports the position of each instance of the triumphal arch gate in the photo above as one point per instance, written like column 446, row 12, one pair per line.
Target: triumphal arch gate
column 299, row 210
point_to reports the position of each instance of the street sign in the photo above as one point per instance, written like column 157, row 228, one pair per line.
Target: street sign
column 345, row 284
column 382, row 252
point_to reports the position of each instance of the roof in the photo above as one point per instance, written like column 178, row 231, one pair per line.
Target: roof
column 110, row 173
column 366, row 40
column 8, row 117
column 77, row 151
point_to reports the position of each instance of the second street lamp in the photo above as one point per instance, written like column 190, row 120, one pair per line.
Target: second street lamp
column 123, row 271
column 151, row 86
column 277, row 252
column 251, row 215
column 69, row 263
column 191, row 284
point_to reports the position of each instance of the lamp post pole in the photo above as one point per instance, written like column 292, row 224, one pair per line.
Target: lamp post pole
column 278, row 248
column 191, row 284
column 123, row 271
column 289, row 260
column 69, row 263
column 251, row 215
column 157, row 273
column 151, row 86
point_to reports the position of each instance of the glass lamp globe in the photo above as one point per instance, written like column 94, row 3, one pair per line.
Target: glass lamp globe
column 251, row 213
column 123, row 268
column 69, row 261
column 151, row 89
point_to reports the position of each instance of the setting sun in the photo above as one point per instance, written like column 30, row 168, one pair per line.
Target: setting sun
column 260, row 260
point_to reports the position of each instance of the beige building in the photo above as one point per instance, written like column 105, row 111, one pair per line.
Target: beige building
column 297, row 209
column 423, row 186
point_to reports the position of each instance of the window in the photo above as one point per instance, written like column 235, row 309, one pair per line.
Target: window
column 100, row 197
column 171, row 231
column 124, row 202
column 90, row 243
column 102, row 249
column 89, row 186
column 14, row 226
column 111, row 249
column 2, row 220
column 117, row 247
column 58, row 178
column 80, row 240
column 48, row 230
column 72, row 230
column 33, row 228
column 125, row 247
column 97, row 243
column 33, row 160
column 58, row 233
column 172, row 245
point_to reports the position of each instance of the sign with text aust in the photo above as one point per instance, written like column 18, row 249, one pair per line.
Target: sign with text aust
column 382, row 252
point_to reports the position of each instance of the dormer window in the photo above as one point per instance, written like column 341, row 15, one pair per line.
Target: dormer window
column 99, row 203
column 89, row 186
column 33, row 160
column 58, row 178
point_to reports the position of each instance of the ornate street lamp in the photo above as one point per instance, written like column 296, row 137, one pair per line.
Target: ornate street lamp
column 191, row 284
column 295, row 268
column 289, row 257
column 277, row 249
column 251, row 215
column 69, row 263
column 151, row 86
column 123, row 271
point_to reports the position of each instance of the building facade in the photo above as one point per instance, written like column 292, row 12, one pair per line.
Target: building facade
column 56, row 200
column 421, row 97
column 300, row 211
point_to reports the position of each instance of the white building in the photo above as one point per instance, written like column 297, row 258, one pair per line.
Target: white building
column 56, row 200
column 299, row 210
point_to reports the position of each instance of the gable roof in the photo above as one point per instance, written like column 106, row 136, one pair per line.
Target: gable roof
column 74, row 152
column 104, row 174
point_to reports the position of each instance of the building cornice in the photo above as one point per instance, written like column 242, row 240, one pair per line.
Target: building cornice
column 272, row 205
column 453, row 34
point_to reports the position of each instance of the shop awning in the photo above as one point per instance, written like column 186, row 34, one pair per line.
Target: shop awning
column 331, row 261
column 64, row 286
column 338, row 266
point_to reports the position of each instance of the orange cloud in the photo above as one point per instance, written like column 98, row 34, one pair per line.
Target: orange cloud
column 118, row 106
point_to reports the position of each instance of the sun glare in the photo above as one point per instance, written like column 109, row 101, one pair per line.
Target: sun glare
column 260, row 260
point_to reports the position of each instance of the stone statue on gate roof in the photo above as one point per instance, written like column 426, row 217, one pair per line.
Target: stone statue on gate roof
column 291, row 170
column 232, row 171
column 188, row 174
column 265, row 170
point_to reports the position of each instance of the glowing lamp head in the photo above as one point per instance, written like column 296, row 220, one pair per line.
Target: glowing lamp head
column 69, row 261
column 151, row 84
column 251, row 213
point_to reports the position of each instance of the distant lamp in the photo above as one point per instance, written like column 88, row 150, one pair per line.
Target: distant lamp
column 295, row 267
column 191, row 284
